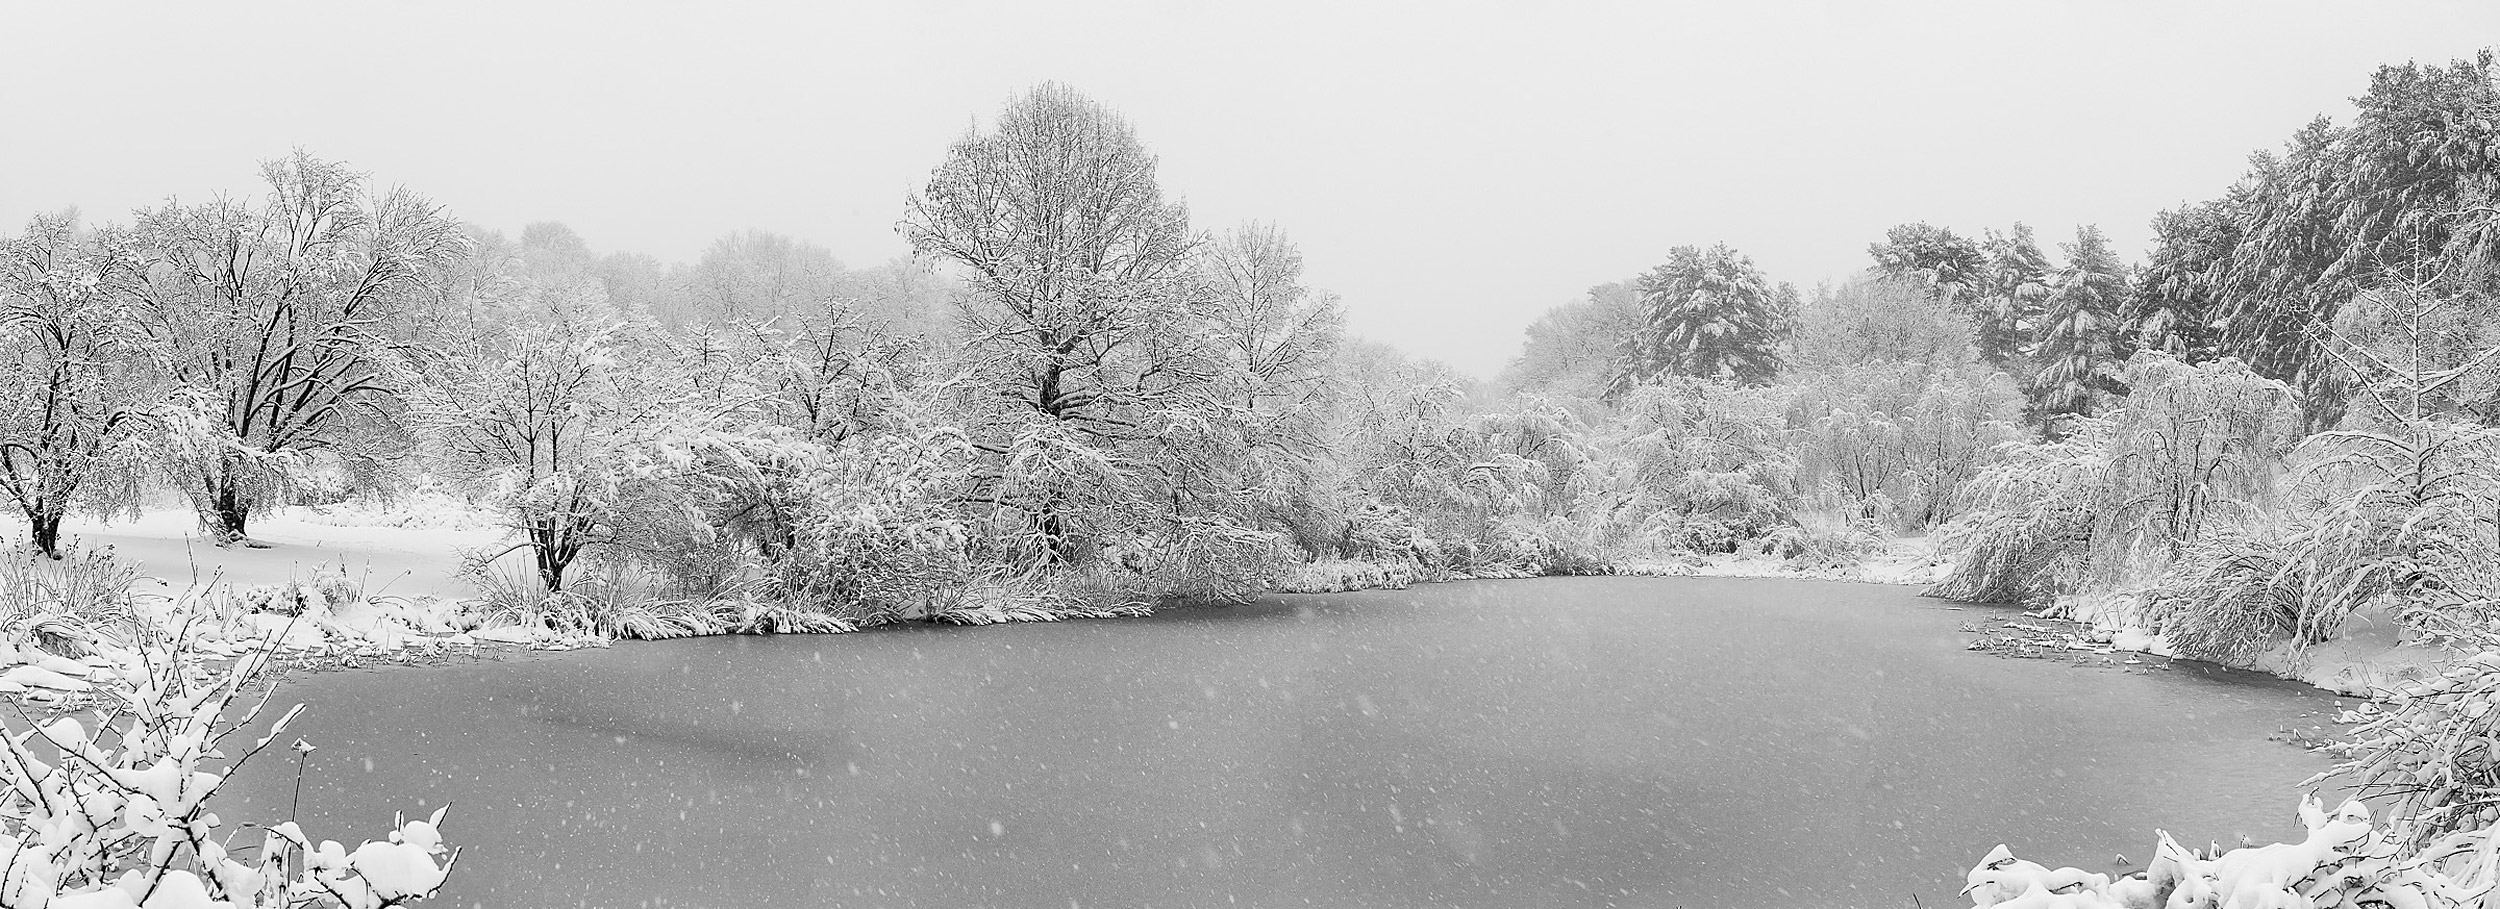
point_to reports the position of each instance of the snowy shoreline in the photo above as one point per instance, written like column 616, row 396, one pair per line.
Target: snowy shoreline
column 408, row 596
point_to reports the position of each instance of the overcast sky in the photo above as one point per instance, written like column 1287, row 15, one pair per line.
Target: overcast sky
column 1451, row 170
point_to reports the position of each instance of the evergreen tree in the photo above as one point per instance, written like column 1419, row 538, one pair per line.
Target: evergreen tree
column 2174, row 305
column 1709, row 314
column 2411, row 182
column 2011, row 293
column 2080, row 350
column 2280, row 285
column 1934, row 256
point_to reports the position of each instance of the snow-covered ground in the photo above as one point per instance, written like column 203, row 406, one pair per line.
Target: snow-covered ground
column 310, row 587
column 409, row 563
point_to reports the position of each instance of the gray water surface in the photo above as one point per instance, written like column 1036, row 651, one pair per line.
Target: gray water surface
column 1561, row 742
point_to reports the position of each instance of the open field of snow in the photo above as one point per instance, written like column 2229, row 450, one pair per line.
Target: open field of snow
column 404, row 562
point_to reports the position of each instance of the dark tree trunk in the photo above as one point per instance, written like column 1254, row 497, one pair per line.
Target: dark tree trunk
column 553, row 545
column 47, row 527
column 227, row 516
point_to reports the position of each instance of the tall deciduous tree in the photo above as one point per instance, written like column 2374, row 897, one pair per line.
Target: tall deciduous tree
column 283, row 324
column 1279, row 336
column 1708, row 314
column 541, row 404
column 2080, row 350
column 1086, row 328
column 1877, row 319
column 752, row 276
column 1570, row 350
column 74, row 375
column 1278, row 341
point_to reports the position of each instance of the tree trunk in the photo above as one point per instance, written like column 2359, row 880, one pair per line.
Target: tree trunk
column 553, row 546
column 47, row 528
column 225, row 515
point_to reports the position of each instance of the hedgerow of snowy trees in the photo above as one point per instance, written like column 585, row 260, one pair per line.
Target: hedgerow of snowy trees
column 1072, row 400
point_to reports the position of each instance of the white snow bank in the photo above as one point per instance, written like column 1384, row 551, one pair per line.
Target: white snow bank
column 2344, row 860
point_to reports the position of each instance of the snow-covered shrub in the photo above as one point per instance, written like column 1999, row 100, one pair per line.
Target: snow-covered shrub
column 2117, row 498
column 2344, row 860
column 605, row 598
column 2028, row 535
column 2192, row 445
column 2230, row 597
column 1339, row 575
column 324, row 591
column 1377, row 532
column 1909, row 434
column 1565, row 546
column 2431, row 748
column 110, row 812
column 858, row 530
column 1827, row 538
column 1207, row 558
column 1718, row 511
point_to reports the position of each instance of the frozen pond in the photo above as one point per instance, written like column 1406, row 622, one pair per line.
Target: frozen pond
column 1562, row 742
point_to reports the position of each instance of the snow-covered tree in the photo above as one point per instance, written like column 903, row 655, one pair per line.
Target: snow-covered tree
column 2408, row 181
column 2080, row 350
column 1932, row 256
column 751, row 277
column 2173, row 307
column 2015, row 287
column 1279, row 335
column 2407, row 489
column 1900, row 440
column 1570, row 350
column 1875, row 319
column 74, row 373
column 827, row 373
column 1278, row 341
column 284, row 325
column 1706, row 314
column 1089, row 339
column 546, row 404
